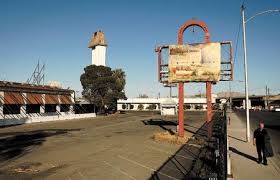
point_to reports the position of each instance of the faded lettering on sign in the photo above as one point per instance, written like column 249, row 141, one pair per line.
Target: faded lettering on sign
column 194, row 63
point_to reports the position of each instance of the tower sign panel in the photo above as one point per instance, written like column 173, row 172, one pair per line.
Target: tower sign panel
column 194, row 63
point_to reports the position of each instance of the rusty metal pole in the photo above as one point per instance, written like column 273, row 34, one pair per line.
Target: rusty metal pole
column 159, row 62
column 181, row 110
column 181, row 85
column 209, row 107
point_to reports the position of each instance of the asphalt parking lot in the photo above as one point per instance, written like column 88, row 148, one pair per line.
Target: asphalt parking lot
column 113, row 147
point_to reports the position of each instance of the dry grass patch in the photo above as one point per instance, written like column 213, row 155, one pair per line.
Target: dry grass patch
column 169, row 137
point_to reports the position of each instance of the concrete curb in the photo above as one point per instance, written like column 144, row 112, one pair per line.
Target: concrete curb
column 229, row 165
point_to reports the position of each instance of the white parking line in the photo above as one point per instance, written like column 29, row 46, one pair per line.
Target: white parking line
column 113, row 125
column 119, row 170
column 82, row 175
column 146, row 167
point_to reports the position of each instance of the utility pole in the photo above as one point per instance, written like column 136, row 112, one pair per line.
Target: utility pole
column 230, row 97
column 266, row 99
column 245, row 60
column 246, row 75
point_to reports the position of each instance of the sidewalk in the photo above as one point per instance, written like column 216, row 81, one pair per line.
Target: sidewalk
column 243, row 155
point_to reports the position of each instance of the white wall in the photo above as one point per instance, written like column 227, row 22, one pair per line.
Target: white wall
column 168, row 111
column 135, row 106
column 147, row 101
column 99, row 56
column 161, row 100
column 27, row 120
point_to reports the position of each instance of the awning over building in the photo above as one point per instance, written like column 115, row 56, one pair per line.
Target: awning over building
column 65, row 99
column 51, row 99
column 13, row 98
column 34, row 98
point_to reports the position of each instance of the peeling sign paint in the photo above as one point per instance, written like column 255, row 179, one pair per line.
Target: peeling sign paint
column 197, row 63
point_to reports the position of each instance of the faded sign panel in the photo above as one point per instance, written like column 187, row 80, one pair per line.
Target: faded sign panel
column 194, row 63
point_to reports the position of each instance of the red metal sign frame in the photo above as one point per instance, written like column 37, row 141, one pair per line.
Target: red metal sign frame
column 162, row 76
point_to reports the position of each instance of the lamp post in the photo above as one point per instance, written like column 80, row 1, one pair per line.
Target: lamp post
column 245, row 63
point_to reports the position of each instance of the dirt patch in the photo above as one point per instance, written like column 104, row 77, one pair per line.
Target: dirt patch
column 170, row 137
column 31, row 167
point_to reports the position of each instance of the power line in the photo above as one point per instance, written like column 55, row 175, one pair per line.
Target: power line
column 237, row 39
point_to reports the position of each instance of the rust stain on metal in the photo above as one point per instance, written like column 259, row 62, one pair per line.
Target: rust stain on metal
column 34, row 98
column 24, row 87
column 13, row 98
column 51, row 99
column 181, row 50
column 196, row 62
column 65, row 99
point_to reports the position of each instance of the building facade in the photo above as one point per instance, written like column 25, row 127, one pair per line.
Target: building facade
column 136, row 104
column 26, row 103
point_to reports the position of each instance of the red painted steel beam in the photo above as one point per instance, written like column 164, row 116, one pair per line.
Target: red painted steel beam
column 198, row 23
column 209, row 107
column 181, row 121
column 159, row 63
column 231, row 63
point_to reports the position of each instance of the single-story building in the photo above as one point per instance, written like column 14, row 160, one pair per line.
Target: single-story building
column 139, row 104
column 168, row 107
column 26, row 103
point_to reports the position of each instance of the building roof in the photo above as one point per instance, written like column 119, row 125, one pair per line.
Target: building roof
column 97, row 39
column 168, row 101
column 243, row 97
column 25, row 87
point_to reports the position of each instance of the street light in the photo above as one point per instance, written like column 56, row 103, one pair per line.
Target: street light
column 245, row 63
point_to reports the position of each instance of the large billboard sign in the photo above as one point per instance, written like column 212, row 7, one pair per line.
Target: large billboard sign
column 194, row 63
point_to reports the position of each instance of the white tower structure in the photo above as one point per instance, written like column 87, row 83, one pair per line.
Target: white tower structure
column 98, row 46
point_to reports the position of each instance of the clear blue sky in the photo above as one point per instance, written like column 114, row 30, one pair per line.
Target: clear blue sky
column 58, row 32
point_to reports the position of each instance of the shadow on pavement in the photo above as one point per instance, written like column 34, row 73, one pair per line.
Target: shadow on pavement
column 166, row 125
column 236, row 138
column 199, row 157
column 234, row 150
column 193, row 160
column 161, row 123
column 17, row 144
column 274, row 127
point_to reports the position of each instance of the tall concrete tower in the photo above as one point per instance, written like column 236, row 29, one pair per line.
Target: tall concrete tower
column 98, row 46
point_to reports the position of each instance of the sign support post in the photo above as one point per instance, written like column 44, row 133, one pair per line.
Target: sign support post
column 181, row 120
column 209, row 107
column 198, row 62
column 181, row 84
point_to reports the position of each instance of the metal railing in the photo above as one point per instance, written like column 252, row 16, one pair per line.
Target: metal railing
column 219, row 135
